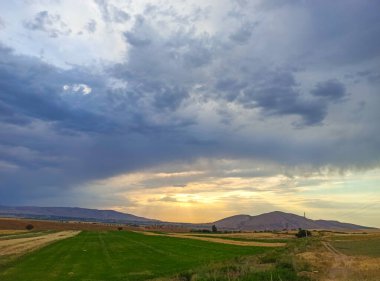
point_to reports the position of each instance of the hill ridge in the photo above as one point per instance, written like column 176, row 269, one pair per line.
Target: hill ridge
column 277, row 220
column 70, row 213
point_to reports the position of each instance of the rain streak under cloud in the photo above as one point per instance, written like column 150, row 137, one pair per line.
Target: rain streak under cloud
column 192, row 110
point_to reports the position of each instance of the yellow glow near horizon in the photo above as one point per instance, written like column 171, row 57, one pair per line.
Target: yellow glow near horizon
column 204, row 198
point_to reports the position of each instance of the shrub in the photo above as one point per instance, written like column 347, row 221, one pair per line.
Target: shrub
column 29, row 226
column 214, row 229
column 303, row 233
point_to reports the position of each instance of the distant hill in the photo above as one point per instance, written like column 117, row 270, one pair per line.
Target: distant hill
column 67, row 213
column 279, row 221
column 269, row 221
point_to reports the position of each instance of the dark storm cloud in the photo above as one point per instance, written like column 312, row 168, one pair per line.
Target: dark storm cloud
column 52, row 24
column 332, row 90
column 57, row 139
column 372, row 76
column 31, row 89
column 197, row 55
column 244, row 33
column 168, row 97
column 230, row 88
column 52, row 139
column 135, row 40
column 154, row 66
column 358, row 21
column 278, row 101
column 275, row 93
column 140, row 35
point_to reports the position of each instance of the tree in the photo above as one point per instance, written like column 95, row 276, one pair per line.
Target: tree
column 29, row 226
column 303, row 233
column 214, row 229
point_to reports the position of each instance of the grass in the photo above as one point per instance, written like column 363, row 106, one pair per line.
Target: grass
column 276, row 264
column 120, row 255
column 236, row 271
column 370, row 247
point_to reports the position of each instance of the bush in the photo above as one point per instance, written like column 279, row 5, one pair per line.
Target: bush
column 303, row 233
column 29, row 226
column 214, row 229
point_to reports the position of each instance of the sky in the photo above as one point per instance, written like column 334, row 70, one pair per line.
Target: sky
column 192, row 110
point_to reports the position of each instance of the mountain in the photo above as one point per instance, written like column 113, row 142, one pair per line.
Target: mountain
column 279, row 221
column 67, row 213
column 269, row 221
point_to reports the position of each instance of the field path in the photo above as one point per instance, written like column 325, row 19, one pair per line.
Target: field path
column 331, row 248
column 22, row 245
column 339, row 268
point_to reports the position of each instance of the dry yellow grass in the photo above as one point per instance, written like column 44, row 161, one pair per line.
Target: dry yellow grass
column 251, row 235
column 231, row 242
column 216, row 239
column 11, row 231
column 329, row 264
column 22, row 245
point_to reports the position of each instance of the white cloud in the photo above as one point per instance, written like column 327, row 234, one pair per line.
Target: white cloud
column 78, row 88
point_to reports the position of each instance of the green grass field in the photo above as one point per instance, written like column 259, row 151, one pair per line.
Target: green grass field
column 118, row 255
column 369, row 247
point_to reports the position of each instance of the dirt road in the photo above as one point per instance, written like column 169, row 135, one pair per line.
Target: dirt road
column 340, row 264
column 331, row 249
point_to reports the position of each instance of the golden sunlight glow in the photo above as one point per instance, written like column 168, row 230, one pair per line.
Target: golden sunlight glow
column 198, row 196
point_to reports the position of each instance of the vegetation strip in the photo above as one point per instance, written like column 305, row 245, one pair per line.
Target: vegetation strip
column 218, row 239
column 266, row 240
column 231, row 242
